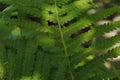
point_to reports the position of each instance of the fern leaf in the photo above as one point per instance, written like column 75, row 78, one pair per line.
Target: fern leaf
column 20, row 46
column 107, row 43
column 46, row 68
column 60, row 75
column 29, row 56
column 82, row 23
column 3, row 58
column 80, row 39
column 10, row 65
column 106, row 28
column 99, row 62
column 103, row 14
column 38, row 66
column 45, row 40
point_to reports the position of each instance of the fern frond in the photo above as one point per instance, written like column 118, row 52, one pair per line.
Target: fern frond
column 46, row 40
column 106, row 28
column 110, row 73
column 38, row 65
column 99, row 61
column 20, row 46
column 3, row 60
column 81, row 24
column 89, row 20
column 60, row 74
column 107, row 43
column 29, row 56
column 103, row 14
column 10, row 65
column 46, row 68
column 80, row 39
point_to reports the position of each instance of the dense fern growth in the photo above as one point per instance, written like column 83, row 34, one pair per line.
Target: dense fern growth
column 48, row 40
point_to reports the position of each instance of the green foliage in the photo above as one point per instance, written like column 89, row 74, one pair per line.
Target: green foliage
column 46, row 40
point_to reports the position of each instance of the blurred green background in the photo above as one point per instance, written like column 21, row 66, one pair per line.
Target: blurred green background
column 107, row 3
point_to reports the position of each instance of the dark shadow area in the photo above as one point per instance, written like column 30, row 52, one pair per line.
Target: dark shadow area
column 3, row 6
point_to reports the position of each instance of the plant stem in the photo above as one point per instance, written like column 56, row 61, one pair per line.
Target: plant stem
column 63, row 43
